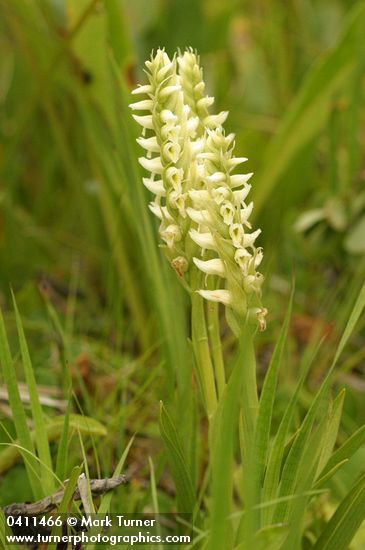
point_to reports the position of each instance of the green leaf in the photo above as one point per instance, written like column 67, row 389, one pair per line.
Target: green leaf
column 223, row 429
column 62, row 453
column 256, row 464
column 40, row 435
column 346, row 450
column 331, row 432
column 184, row 487
column 308, row 458
column 4, row 531
column 345, row 522
column 323, row 479
column 19, row 416
column 66, row 502
column 274, row 467
column 293, row 463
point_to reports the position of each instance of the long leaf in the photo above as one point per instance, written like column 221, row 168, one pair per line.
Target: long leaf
column 293, row 463
column 330, row 435
column 19, row 417
column 40, row 434
column 274, row 467
column 257, row 458
column 224, row 427
column 346, row 450
column 344, row 523
column 184, row 488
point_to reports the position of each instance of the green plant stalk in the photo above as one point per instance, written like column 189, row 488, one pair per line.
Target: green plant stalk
column 250, row 406
column 216, row 346
column 250, row 396
column 201, row 349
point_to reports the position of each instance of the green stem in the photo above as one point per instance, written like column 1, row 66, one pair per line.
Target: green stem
column 202, row 353
column 250, row 395
column 216, row 346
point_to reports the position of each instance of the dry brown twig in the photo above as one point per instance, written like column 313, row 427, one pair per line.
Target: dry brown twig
column 46, row 505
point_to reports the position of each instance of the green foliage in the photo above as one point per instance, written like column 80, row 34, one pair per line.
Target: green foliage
column 178, row 463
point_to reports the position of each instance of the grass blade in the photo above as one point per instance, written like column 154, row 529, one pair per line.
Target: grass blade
column 184, row 487
column 40, row 434
column 344, row 523
column 19, row 416
column 224, row 427
column 346, row 450
column 331, row 432
column 62, row 454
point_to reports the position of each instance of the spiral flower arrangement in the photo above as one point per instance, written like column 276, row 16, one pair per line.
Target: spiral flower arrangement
column 200, row 201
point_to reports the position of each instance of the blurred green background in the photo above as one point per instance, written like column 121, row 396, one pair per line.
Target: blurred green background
column 77, row 242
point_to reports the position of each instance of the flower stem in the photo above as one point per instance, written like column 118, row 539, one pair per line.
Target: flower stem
column 202, row 353
column 216, row 346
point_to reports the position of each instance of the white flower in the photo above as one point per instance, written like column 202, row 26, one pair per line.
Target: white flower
column 145, row 121
column 146, row 89
column 217, row 177
column 150, row 144
column 258, row 257
column 155, row 186
column 192, row 125
column 170, row 132
column 204, row 240
column 252, row 283
column 235, row 161
column 144, row 105
column 171, row 234
column 236, row 233
column 160, row 211
column 177, row 200
column 175, row 176
column 220, row 194
column 240, row 195
column 199, row 197
column 245, row 214
column 199, row 203
column 172, row 151
column 213, row 121
column 205, row 102
column 249, row 238
column 197, row 146
column 211, row 267
column 223, row 296
column 199, row 216
column 242, row 257
column 227, row 212
column 153, row 165
column 169, row 90
column 168, row 117
column 239, row 179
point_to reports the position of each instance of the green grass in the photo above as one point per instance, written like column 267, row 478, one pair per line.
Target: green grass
column 97, row 316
